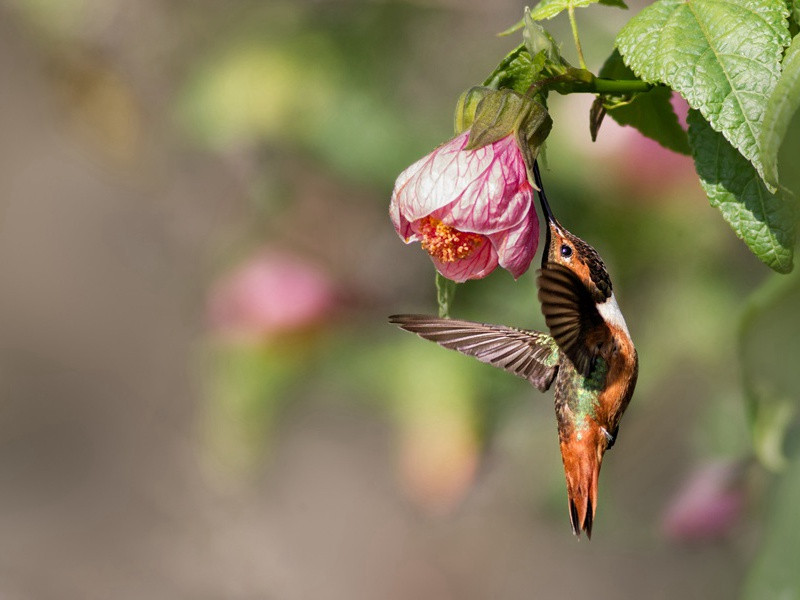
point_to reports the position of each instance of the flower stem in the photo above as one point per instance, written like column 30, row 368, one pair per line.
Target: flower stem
column 574, row 25
column 619, row 86
column 445, row 292
column 567, row 84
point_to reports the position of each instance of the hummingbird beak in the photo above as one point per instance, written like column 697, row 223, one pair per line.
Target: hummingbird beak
column 537, row 177
column 548, row 214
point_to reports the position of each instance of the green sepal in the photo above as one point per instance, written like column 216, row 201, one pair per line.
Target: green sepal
column 533, row 133
column 497, row 115
column 516, row 71
column 504, row 112
column 467, row 105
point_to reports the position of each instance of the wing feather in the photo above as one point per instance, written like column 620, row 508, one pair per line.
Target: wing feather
column 570, row 313
column 531, row 355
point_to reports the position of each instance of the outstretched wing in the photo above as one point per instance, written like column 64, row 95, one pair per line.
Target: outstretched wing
column 571, row 315
column 531, row 355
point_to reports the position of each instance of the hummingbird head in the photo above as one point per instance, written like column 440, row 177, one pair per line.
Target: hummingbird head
column 564, row 248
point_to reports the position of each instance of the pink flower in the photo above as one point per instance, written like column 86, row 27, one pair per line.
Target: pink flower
column 270, row 293
column 470, row 209
column 708, row 504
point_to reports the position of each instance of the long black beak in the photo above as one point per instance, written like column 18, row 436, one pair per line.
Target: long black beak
column 537, row 177
column 548, row 214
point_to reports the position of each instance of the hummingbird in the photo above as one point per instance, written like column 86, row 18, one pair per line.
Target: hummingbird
column 588, row 352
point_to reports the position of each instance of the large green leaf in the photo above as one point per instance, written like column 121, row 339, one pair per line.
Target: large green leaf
column 547, row 9
column 723, row 56
column 763, row 220
column 650, row 112
column 794, row 17
column 782, row 104
column 774, row 573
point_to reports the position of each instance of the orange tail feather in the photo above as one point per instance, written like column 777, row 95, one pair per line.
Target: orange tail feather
column 582, row 459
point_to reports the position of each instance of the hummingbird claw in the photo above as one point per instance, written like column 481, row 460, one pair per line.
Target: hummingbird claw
column 609, row 437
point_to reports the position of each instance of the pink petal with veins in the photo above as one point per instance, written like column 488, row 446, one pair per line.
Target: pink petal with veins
column 476, row 266
column 517, row 246
column 483, row 191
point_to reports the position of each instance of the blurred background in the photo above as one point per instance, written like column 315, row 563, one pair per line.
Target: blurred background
column 201, row 395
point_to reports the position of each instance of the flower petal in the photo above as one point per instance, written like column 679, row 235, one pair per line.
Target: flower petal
column 432, row 181
column 483, row 190
column 496, row 199
column 476, row 266
column 401, row 224
column 517, row 246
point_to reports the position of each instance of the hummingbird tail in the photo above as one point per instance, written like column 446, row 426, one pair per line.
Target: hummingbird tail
column 582, row 460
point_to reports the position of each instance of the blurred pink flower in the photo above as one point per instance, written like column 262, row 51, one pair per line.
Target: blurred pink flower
column 708, row 504
column 270, row 293
column 470, row 209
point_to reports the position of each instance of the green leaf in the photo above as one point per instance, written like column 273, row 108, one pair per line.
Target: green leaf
column 547, row 9
column 723, row 56
column 516, row 71
column 539, row 42
column 774, row 573
column 794, row 16
column 514, row 28
column 764, row 220
column 650, row 112
column 781, row 105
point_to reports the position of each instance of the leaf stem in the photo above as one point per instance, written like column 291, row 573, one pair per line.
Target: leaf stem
column 574, row 24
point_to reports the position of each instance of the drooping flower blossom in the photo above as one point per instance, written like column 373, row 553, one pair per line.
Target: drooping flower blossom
column 269, row 294
column 472, row 210
column 708, row 504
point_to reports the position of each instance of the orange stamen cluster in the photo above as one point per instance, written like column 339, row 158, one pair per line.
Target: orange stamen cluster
column 446, row 243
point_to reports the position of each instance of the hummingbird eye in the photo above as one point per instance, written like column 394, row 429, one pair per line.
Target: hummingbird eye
column 566, row 251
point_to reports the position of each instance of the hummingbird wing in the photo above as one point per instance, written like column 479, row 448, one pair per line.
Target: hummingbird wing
column 532, row 355
column 571, row 315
